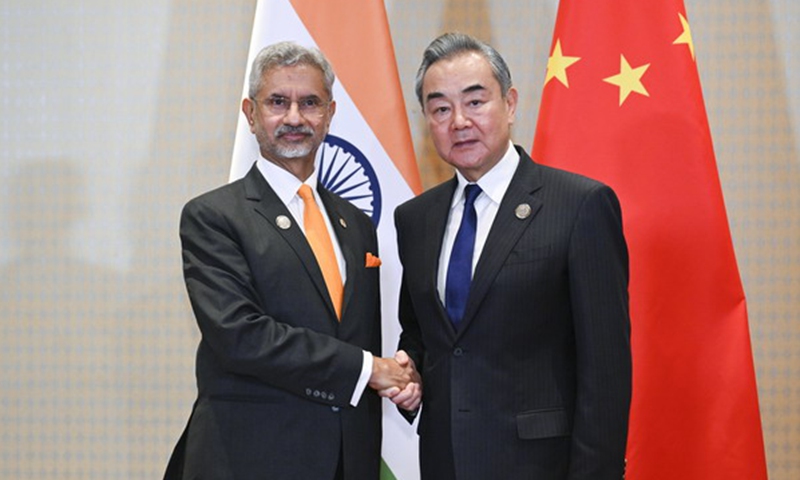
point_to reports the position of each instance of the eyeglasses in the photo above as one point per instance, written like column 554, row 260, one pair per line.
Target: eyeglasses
column 306, row 106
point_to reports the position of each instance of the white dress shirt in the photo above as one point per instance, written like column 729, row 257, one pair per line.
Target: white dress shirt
column 285, row 185
column 494, row 184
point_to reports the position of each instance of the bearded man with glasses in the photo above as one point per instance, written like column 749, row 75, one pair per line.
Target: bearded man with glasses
column 272, row 263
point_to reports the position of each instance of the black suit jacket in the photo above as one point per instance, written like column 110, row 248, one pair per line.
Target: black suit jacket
column 536, row 383
column 275, row 369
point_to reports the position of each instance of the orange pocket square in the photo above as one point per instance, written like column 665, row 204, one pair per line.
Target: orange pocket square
column 372, row 261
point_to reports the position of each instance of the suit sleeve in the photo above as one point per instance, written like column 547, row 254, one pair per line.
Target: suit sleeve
column 598, row 272
column 235, row 327
column 410, row 334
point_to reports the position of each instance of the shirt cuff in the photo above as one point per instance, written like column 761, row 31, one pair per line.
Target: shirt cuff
column 363, row 379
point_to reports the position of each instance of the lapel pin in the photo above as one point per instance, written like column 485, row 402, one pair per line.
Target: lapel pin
column 522, row 211
column 283, row 222
column 342, row 222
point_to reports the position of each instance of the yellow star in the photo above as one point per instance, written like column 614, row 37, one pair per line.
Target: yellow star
column 628, row 79
column 557, row 65
column 686, row 36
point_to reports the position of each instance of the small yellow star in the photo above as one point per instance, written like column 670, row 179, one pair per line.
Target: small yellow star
column 686, row 36
column 557, row 65
column 628, row 79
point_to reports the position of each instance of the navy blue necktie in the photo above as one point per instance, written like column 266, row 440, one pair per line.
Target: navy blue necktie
column 459, row 270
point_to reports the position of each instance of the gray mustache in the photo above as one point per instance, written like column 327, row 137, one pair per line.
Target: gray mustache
column 284, row 129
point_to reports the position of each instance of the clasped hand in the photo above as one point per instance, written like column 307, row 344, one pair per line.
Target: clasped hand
column 398, row 380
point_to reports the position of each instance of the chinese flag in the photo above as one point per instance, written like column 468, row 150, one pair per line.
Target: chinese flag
column 622, row 103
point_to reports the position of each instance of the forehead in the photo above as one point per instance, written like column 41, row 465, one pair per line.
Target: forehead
column 295, row 80
column 458, row 75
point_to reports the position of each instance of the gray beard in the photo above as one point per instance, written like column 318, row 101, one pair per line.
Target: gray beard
column 296, row 151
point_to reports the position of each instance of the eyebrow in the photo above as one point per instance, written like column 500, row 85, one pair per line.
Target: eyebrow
column 472, row 88
column 434, row 95
column 304, row 97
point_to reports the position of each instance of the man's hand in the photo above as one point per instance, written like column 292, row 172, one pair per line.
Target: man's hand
column 388, row 374
column 409, row 395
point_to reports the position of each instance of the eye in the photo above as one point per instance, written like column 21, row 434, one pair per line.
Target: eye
column 438, row 109
column 277, row 102
column 310, row 102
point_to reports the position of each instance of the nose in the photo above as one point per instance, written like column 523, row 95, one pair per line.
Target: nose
column 293, row 116
column 460, row 119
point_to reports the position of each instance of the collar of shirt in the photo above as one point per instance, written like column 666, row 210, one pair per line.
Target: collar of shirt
column 286, row 184
column 493, row 183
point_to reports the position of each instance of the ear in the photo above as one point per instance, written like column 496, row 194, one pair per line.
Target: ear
column 511, row 104
column 331, row 111
column 248, row 108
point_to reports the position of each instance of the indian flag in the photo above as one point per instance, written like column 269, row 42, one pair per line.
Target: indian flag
column 367, row 158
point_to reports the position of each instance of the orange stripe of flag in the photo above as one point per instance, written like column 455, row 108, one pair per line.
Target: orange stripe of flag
column 354, row 35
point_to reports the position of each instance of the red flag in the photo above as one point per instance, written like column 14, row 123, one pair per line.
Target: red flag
column 622, row 103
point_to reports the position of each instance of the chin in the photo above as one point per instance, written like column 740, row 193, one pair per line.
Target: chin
column 470, row 162
column 295, row 152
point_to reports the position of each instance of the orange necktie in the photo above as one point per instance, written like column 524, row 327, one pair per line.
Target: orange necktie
column 320, row 240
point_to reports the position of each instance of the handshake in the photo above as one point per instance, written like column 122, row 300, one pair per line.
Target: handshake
column 398, row 380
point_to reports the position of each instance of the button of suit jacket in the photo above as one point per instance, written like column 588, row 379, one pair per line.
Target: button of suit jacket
column 308, row 391
column 335, row 409
column 458, row 352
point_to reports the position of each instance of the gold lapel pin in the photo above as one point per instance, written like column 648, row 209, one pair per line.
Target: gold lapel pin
column 342, row 222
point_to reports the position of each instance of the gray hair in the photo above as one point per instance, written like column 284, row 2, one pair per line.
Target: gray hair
column 450, row 45
column 288, row 54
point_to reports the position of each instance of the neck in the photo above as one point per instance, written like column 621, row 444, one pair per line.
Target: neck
column 301, row 167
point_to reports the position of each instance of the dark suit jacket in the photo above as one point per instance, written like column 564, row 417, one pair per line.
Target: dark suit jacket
column 537, row 381
column 275, row 369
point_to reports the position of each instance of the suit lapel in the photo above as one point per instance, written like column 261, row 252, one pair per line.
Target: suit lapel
column 269, row 205
column 345, row 230
column 435, row 222
column 505, row 231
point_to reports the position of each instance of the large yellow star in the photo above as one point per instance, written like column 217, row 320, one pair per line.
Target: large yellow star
column 557, row 65
column 628, row 79
column 686, row 36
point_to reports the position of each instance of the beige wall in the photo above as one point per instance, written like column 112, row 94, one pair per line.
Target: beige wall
column 113, row 115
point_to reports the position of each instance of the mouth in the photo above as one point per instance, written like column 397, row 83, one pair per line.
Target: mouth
column 293, row 134
column 293, row 137
column 464, row 143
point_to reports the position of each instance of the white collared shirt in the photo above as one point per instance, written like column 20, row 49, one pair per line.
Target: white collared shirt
column 285, row 185
column 494, row 184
